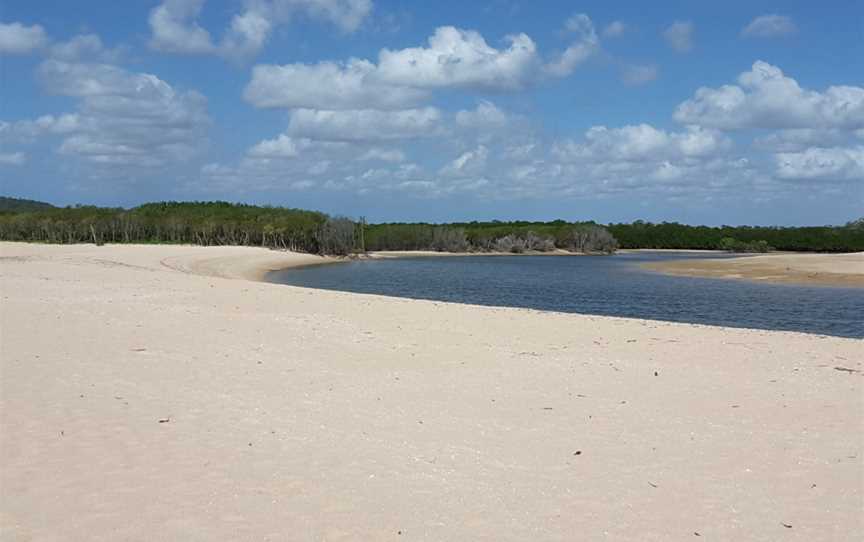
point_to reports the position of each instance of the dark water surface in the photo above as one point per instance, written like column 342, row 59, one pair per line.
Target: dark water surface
column 603, row 285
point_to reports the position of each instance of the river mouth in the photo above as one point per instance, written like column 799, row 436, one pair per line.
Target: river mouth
column 596, row 285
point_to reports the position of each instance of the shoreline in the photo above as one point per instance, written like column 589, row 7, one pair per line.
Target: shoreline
column 255, row 263
column 142, row 399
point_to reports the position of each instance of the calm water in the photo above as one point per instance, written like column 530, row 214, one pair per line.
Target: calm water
column 604, row 285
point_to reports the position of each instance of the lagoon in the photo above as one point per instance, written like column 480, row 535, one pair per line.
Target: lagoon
column 598, row 285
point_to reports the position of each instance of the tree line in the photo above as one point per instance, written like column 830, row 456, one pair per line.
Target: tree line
column 200, row 223
column 671, row 235
column 495, row 236
column 223, row 223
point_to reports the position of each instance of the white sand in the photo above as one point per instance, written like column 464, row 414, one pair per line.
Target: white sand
column 818, row 269
column 295, row 414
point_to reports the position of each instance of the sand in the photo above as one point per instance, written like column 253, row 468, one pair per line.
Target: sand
column 845, row 270
column 141, row 399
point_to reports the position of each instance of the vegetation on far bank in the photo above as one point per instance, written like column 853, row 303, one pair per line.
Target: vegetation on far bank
column 222, row 223
column 670, row 235
column 515, row 237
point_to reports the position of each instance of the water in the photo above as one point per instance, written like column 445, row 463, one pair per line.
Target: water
column 602, row 285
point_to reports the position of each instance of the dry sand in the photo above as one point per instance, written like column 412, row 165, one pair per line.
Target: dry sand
column 142, row 403
column 814, row 269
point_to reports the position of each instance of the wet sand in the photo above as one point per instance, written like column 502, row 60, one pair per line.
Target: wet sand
column 153, row 393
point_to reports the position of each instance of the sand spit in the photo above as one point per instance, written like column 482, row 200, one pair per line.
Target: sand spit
column 138, row 402
column 813, row 269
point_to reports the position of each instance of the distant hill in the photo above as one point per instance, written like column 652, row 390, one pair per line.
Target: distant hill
column 19, row 205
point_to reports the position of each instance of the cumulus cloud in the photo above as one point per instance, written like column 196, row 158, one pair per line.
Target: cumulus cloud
column 327, row 85
column 12, row 158
column 175, row 28
column 26, row 131
column 123, row 118
column 497, row 154
column 17, row 39
column 603, row 161
column 766, row 98
column 821, row 164
column 470, row 163
column 679, row 36
column 283, row 146
column 246, row 36
column 460, row 58
column 769, row 26
column 85, row 47
column 365, row 124
column 798, row 139
column 642, row 142
column 309, row 164
column 585, row 46
column 485, row 116
column 402, row 78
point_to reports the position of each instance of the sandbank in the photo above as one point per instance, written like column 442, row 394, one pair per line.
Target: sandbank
column 845, row 270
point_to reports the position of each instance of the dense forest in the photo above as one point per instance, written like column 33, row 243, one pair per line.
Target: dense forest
column 21, row 205
column 666, row 235
column 201, row 223
column 222, row 223
column 516, row 237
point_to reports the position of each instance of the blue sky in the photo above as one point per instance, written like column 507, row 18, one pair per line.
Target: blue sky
column 700, row 112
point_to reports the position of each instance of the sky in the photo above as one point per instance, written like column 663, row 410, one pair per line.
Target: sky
column 698, row 112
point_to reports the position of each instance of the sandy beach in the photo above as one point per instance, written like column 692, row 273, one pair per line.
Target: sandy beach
column 812, row 269
column 162, row 393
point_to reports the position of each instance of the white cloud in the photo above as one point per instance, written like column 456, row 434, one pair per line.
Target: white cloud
column 497, row 155
column 282, row 147
column 26, row 131
column 679, row 36
column 460, row 58
column 454, row 58
column 515, row 164
column 469, row 163
column 246, row 36
column 637, row 74
column 585, row 46
column 285, row 146
column 485, row 116
column 642, row 143
column 820, row 164
column 123, row 118
column 798, row 139
column 12, row 158
column 327, row 85
column 614, row 29
column 769, row 26
column 85, row 47
column 16, row 39
column 175, row 29
column 766, row 98
column 365, row 124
